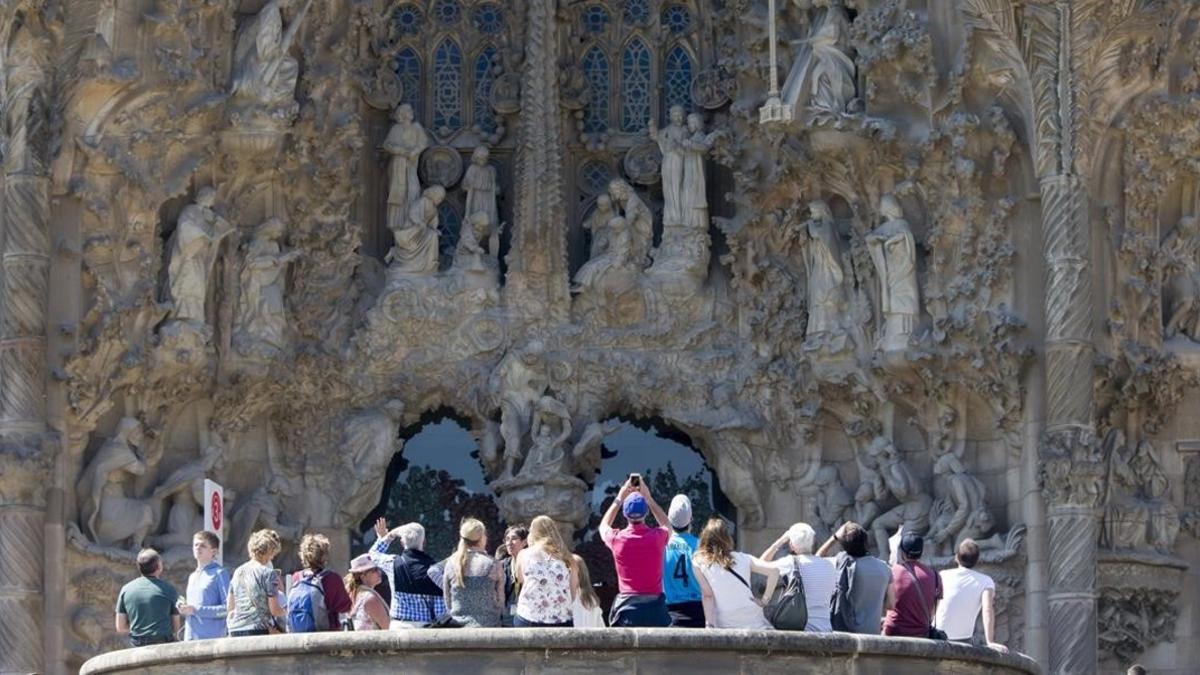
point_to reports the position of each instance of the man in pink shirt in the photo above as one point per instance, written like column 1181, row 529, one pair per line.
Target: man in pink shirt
column 638, row 552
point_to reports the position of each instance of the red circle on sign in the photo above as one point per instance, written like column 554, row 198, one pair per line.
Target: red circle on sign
column 216, row 512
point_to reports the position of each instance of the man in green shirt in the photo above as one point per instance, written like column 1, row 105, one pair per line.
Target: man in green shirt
column 146, row 608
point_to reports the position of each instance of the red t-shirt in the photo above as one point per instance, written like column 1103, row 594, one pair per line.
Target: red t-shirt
column 337, row 600
column 908, row 618
column 638, row 553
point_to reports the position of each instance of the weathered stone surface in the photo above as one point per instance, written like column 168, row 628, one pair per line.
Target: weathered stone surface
column 937, row 269
column 528, row 651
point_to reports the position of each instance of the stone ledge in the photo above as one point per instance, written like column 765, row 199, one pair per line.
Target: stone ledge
column 532, row 650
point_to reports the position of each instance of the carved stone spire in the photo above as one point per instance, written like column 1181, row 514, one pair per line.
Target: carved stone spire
column 537, row 282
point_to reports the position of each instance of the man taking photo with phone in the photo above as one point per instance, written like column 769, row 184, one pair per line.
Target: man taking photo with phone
column 638, row 552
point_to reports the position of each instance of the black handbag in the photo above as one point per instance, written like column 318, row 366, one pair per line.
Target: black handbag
column 788, row 609
column 841, row 608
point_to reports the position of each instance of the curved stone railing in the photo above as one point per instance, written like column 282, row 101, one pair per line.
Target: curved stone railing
column 561, row 650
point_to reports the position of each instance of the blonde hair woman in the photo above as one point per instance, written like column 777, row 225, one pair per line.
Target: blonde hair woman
column 548, row 577
column 369, row 611
column 473, row 582
column 724, row 576
column 585, row 611
column 256, row 589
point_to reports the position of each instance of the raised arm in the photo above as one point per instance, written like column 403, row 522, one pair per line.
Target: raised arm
column 772, row 575
column 827, row 547
column 773, row 550
column 659, row 515
column 610, row 515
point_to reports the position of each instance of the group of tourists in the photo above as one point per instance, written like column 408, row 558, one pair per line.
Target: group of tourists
column 666, row 576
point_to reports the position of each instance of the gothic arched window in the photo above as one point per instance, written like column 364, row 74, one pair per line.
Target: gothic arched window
column 447, row 88
column 594, row 177
column 677, row 79
column 408, row 68
column 635, row 86
column 485, row 117
column 595, row 71
column 449, row 223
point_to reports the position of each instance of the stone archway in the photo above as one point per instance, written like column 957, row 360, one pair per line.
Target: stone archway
column 434, row 479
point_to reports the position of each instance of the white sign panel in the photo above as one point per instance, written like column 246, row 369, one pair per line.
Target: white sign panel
column 214, row 514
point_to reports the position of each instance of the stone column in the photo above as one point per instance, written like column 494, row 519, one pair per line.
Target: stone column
column 1069, row 464
column 25, row 264
column 21, row 549
column 536, row 285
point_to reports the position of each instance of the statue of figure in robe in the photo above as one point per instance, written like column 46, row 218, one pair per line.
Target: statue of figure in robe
column 261, row 324
column 194, row 246
column 671, row 142
column 108, row 514
column 263, row 73
column 894, row 253
column 1181, row 290
column 405, row 142
column 482, row 188
column 832, row 77
column 639, row 218
column 616, row 256
column 823, row 263
column 416, row 249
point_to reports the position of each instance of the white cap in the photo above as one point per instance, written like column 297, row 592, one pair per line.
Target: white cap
column 680, row 513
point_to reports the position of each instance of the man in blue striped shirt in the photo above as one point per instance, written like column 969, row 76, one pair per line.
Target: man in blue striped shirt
column 207, row 588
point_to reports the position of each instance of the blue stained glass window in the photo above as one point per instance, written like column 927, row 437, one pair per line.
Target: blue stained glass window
column 635, row 86
column 595, row 177
column 595, row 70
column 595, row 19
column 449, row 223
column 447, row 88
column 447, row 11
column 637, row 11
column 488, row 18
column 408, row 19
column 485, row 117
column 408, row 68
column 676, row 18
column 677, row 79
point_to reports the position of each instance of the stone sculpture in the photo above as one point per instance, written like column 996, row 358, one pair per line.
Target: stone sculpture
column 470, row 256
column 1181, row 290
column 617, row 256
column 695, row 187
column 184, row 488
column 550, row 427
column 637, row 216
column 832, row 78
column 482, row 189
column 261, row 325
column 597, row 224
column 823, row 263
column 1137, row 513
column 109, row 514
column 835, row 504
column 670, row 141
column 194, row 247
column 263, row 509
column 965, row 504
column 263, row 73
column 895, row 256
column 416, row 249
column 518, row 382
column 405, row 142
column 370, row 439
column 901, row 484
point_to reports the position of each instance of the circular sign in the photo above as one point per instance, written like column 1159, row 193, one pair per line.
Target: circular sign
column 385, row 90
column 506, row 94
column 441, row 165
column 711, row 89
column 216, row 512
column 643, row 163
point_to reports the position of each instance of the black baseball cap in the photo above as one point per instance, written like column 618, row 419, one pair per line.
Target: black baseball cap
column 913, row 544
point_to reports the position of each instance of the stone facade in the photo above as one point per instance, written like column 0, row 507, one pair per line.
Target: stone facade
column 906, row 262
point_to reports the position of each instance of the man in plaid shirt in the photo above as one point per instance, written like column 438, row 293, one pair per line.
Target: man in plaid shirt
column 416, row 599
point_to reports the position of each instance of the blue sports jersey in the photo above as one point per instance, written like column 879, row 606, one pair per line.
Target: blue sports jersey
column 679, row 584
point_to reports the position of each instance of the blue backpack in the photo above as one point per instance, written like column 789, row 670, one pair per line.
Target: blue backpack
column 306, row 611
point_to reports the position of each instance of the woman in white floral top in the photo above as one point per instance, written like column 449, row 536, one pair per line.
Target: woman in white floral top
column 548, row 578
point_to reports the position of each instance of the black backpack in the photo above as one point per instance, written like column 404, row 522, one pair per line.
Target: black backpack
column 841, row 607
column 788, row 610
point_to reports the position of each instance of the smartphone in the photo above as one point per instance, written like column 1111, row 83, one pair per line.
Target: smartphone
column 635, row 479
